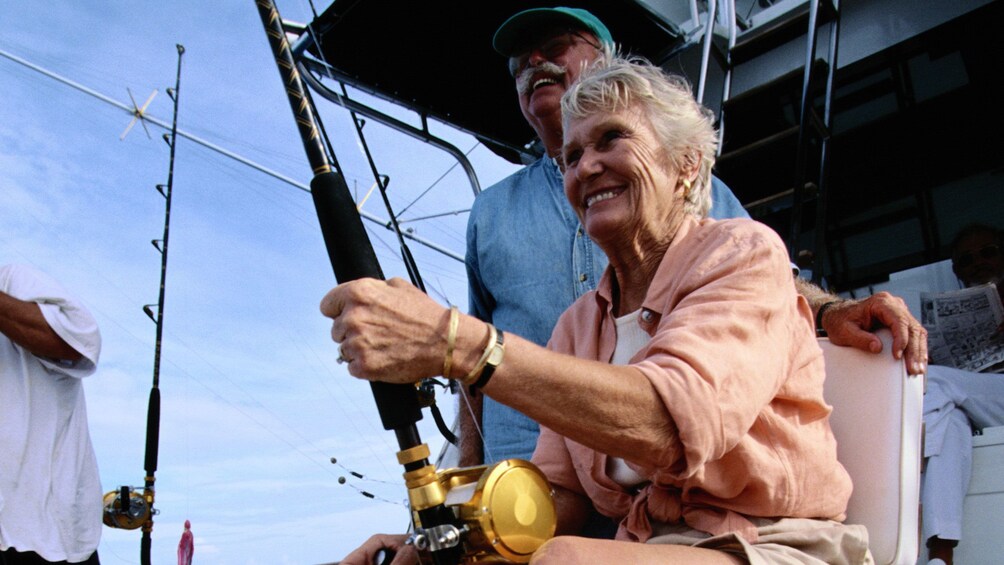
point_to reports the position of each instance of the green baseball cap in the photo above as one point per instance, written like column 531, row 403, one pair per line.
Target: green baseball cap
column 522, row 27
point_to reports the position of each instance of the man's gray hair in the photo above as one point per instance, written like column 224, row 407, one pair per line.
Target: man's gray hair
column 685, row 128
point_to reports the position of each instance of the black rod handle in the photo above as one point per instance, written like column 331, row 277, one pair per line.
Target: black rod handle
column 152, row 432
column 352, row 257
column 349, row 248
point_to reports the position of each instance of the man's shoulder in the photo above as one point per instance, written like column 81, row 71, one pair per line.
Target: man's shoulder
column 506, row 194
column 530, row 175
column 513, row 179
column 17, row 269
column 16, row 276
column 724, row 203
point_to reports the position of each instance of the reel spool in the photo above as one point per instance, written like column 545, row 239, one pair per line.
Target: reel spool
column 505, row 511
column 125, row 509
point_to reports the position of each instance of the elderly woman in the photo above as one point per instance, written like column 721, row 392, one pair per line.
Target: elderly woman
column 683, row 397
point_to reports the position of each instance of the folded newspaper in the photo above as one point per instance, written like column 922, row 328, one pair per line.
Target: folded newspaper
column 962, row 328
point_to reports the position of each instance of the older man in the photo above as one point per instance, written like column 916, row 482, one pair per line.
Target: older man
column 955, row 403
column 528, row 258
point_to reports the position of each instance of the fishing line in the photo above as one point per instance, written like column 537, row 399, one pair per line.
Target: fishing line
column 326, row 367
column 360, row 476
column 441, row 177
column 465, row 400
column 367, row 494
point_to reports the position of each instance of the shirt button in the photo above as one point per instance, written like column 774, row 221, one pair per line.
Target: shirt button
column 583, row 277
column 646, row 315
column 578, row 232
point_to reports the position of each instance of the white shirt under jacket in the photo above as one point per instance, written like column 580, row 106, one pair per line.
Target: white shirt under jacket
column 50, row 493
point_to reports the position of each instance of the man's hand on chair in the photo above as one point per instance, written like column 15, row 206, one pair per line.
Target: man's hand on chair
column 851, row 322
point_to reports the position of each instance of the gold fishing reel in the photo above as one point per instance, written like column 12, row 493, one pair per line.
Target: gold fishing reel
column 127, row 508
column 505, row 511
column 509, row 511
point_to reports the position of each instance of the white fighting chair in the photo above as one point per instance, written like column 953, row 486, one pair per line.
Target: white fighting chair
column 877, row 420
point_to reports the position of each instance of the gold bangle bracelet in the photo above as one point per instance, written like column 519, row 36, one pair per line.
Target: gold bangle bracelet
column 472, row 377
column 494, row 360
column 451, row 341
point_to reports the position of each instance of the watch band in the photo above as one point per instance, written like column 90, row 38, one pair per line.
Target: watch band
column 819, row 317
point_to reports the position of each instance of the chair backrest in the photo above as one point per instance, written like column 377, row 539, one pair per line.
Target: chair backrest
column 877, row 420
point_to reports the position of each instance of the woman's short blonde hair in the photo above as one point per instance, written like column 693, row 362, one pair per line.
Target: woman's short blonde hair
column 686, row 129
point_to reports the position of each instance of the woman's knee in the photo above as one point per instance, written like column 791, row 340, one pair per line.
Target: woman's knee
column 562, row 550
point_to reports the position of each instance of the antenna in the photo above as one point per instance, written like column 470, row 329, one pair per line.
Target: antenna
column 216, row 148
column 139, row 114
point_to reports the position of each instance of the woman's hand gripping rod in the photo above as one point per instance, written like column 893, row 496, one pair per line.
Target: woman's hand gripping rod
column 352, row 257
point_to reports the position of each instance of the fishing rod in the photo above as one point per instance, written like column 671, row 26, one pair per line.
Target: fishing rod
column 501, row 513
column 352, row 257
column 126, row 508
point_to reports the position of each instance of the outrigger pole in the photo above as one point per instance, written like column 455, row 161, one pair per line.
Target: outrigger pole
column 352, row 257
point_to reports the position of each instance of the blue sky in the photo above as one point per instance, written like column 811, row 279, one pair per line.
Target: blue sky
column 254, row 404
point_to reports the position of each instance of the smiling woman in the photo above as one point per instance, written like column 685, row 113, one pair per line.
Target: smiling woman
column 683, row 397
column 637, row 157
column 626, row 193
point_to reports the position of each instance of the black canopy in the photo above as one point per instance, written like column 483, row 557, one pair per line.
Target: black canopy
column 436, row 57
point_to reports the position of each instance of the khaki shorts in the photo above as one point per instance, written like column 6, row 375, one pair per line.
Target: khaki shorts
column 795, row 541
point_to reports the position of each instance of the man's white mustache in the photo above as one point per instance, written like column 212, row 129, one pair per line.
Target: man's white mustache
column 524, row 82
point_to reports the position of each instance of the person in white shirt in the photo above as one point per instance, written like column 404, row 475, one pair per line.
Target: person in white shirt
column 50, row 492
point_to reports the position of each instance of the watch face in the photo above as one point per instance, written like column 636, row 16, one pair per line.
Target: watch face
column 496, row 355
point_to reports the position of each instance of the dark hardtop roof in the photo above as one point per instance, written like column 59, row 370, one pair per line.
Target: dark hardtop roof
column 436, row 56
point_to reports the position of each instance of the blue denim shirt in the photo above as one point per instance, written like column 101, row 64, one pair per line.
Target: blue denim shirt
column 528, row 259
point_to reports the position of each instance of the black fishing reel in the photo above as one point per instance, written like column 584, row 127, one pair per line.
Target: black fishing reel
column 127, row 508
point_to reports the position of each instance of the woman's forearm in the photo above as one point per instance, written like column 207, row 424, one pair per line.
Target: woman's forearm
column 612, row 409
